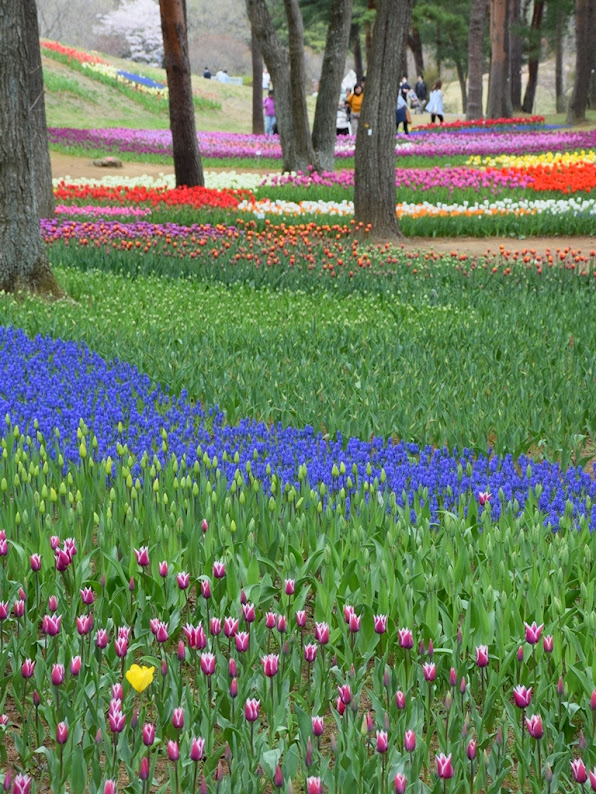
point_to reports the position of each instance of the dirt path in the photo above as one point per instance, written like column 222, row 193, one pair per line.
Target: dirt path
column 64, row 165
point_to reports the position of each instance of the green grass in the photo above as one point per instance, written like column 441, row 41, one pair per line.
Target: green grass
column 63, row 84
column 466, row 361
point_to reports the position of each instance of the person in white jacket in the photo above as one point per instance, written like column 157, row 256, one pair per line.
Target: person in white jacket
column 435, row 103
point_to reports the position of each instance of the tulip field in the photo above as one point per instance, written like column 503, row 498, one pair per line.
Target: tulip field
column 281, row 510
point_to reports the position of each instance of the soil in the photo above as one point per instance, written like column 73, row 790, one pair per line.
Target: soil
column 65, row 165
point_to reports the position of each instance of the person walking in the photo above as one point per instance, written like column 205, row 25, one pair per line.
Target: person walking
column 421, row 92
column 342, row 123
column 402, row 114
column 270, row 120
column 435, row 103
column 354, row 102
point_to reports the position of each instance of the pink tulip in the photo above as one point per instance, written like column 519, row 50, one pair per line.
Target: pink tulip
column 208, row 663
column 318, row 725
column 251, row 709
column 58, row 674
column 161, row 635
column 54, row 542
column 289, row 586
column 592, row 776
column 142, row 556
column 234, row 688
column 533, row 632
column 270, row 664
column 232, row 667
column 520, row 653
column 75, row 666
column 51, row 624
column 242, row 640
column 409, row 741
column 219, row 570
column 52, row 603
column 35, row 561
column 215, row 627
column 452, row 677
column 400, row 700
column 204, row 525
column 270, row 620
column 471, row 750
column 7, row 785
column 282, row 624
column 116, row 720
column 248, row 612
column 560, row 687
column 522, row 696
column 313, row 785
column 578, row 768
column 382, row 742
column 444, row 767
column 173, row 751
column 178, row 718
column 87, row 596
column 430, row 671
column 28, row 668
column 197, row 749
column 534, row 725
column 354, row 624
column 593, row 700
column 278, row 778
column 322, row 633
column 462, row 685
column 163, row 569
column 340, row 706
column 22, row 784
column 231, row 626
column 62, row 559
column 345, row 694
column 310, row 652
column 84, row 624
column 348, row 612
column 62, row 733
column 400, row 783
column 118, row 692
column 148, row 734
column 301, row 618
column 548, row 643
column 101, row 638
column 144, row 768
column 482, row 656
column 484, row 498
column 121, row 647
column 183, row 580
column 206, row 589
column 406, row 639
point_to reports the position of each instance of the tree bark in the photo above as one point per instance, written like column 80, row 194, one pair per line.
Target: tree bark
column 515, row 50
column 559, row 90
column 187, row 158
column 415, row 45
column 278, row 63
column 478, row 11
column 461, row 74
column 533, row 56
column 374, row 177
column 499, row 94
column 303, row 141
column 357, row 51
column 24, row 263
column 583, row 62
column 258, row 122
column 332, row 72
column 42, row 167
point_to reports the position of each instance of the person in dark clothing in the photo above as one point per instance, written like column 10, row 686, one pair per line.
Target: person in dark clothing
column 421, row 92
column 207, row 73
column 404, row 88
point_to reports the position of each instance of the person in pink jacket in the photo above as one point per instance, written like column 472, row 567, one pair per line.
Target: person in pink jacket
column 270, row 120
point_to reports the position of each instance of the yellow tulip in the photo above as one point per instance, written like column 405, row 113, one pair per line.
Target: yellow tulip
column 139, row 677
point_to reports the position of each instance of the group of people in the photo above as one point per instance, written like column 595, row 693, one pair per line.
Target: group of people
column 416, row 99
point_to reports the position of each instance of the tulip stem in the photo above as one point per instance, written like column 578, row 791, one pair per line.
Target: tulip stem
column 471, row 775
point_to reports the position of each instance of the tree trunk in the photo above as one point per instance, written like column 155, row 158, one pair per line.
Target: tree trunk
column 187, row 158
column 515, row 54
column 42, row 167
column 278, row 63
column 533, row 56
column 592, row 91
column 559, row 90
column 374, row 178
column 499, row 94
column 24, row 262
column 357, row 51
column 332, row 72
column 478, row 11
column 461, row 74
column 368, row 34
column 415, row 45
column 303, row 141
column 583, row 62
column 258, row 122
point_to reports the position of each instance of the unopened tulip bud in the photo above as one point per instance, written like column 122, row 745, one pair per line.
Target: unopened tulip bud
column 399, row 783
column 308, row 754
column 560, row 687
column 144, row 768
column 400, row 700
column 278, row 778
column 471, row 750
column 593, row 700
column 452, row 677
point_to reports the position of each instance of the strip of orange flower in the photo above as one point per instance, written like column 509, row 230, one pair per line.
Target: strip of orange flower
column 70, row 52
column 566, row 178
column 182, row 196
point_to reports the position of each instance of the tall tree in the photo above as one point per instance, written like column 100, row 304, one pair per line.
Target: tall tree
column 24, row 263
column 415, row 45
column 304, row 148
column 357, row 50
column 332, row 72
column 515, row 53
column 42, row 168
column 478, row 10
column 584, row 46
column 535, row 36
column 258, row 122
column 499, row 94
column 374, row 177
column 187, row 158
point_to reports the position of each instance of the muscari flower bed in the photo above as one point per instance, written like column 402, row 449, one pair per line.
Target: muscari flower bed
column 121, row 407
